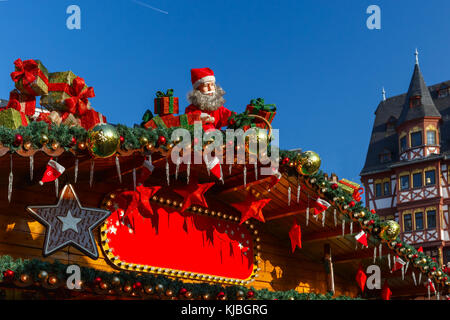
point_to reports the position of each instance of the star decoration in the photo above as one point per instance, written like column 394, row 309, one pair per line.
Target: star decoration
column 296, row 236
column 140, row 200
column 68, row 223
column 194, row 194
column 251, row 208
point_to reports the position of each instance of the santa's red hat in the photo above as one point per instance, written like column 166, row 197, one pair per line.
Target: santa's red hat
column 201, row 75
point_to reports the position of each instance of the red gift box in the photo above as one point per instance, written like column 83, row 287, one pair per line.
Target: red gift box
column 22, row 102
column 91, row 118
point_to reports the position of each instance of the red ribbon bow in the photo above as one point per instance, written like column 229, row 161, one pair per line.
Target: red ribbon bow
column 27, row 71
column 357, row 194
column 78, row 103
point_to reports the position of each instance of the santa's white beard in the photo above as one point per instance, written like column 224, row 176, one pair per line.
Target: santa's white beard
column 206, row 102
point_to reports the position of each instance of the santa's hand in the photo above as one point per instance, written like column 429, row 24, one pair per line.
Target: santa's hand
column 206, row 117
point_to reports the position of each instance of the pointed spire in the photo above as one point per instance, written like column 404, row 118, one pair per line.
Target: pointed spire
column 384, row 94
column 417, row 56
column 418, row 89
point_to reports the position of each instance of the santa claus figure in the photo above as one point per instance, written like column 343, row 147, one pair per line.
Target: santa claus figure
column 206, row 98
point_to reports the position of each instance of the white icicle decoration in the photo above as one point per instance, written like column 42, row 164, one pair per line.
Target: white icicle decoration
column 134, row 179
column 221, row 176
column 323, row 219
column 428, row 288
column 31, row 167
column 403, row 272
column 335, row 217
column 91, row 173
column 245, row 176
column 289, row 196
column 119, row 174
column 298, row 193
column 420, row 277
column 256, row 171
column 406, row 267
column 356, row 245
column 389, row 262
column 10, row 180
column 343, row 227
column 307, row 213
column 351, row 227
column 167, row 172
column 379, row 251
column 230, row 168
column 374, row 254
column 57, row 187
column 76, row 170
column 188, row 172
column 414, row 278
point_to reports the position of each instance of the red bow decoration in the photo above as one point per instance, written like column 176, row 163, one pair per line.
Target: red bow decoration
column 27, row 71
column 357, row 194
column 78, row 103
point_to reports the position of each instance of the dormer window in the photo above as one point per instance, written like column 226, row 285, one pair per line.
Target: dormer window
column 443, row 91
column 385, row 156
column 414, row 101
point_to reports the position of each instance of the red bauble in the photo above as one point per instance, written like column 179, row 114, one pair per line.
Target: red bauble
column 250, row 294
column 221, row 294
column 373, row 211
column 8, row 274
column 415, row 256
column 73, row 141
column 183, row 291
column 162, row 140
column 351, row 204
column 122, row 139
column 137, row 285
column 285, row 160
column 334, row 186
column 98, row 280
column 18, row 139
column 398, row 245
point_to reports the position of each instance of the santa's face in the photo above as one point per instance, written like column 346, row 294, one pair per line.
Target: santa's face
column 208, row 88
column 207, row 97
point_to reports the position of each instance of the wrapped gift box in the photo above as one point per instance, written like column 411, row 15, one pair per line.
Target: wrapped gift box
column 92, row 118
column 267, row 111
column 171, row 121
column 352, row 188
column 24, row 103
column 12, row 119
column 30, row 77
column 63, row 87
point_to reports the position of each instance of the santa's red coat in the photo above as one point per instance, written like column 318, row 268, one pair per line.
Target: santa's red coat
column 220, row 116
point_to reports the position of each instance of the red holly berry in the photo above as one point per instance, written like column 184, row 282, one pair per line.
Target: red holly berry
column 8, row 274
column 18, row 139
column 285, row 160
column 162, row 140
column 398, row 245
column 73, row 141
column 371, row 222
column 373, row 211
column 415, row 256
column 334, row 186
column 183, row 291
column 434, row 268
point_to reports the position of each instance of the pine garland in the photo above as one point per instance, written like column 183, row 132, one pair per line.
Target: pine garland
column 34, row 267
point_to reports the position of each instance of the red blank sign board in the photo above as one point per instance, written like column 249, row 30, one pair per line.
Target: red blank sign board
column 182, row 241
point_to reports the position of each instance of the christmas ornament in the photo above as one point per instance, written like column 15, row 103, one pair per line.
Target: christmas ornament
column 103, row 140
column 138, row 200
column 251, row 208
column 295, row 234
column 53, row 171
column 146, row 171
column 320, row 206
column 213, row 166
column 361, row 278
column 162, row 140
column 194, row 194
column 389, row 230
column 44, row 139
column 362, row 238
column 308, row 163
column 18, row 139
column 68, row 223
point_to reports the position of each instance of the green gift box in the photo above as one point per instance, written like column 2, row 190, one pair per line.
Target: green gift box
column 60, row 89
column 30, row 77
column 348, row 186
column 13, row 119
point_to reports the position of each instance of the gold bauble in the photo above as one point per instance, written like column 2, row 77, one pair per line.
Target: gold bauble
column 390, row 230
column 308, row 163
column 44, row 139
column 81, row 146
column 27, row 145
column 55, row 145
column 43, row 275
column 103, row 140
column 143, row 141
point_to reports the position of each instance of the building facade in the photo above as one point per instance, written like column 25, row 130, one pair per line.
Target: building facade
column 407, row 169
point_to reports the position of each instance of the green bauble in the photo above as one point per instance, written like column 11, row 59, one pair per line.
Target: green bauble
column 103, row 140
column 390, row 230
column 308, row 163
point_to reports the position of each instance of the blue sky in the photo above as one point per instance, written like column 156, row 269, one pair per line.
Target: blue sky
column 316, row 60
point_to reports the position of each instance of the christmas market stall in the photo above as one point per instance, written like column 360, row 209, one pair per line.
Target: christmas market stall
column 112, row 202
